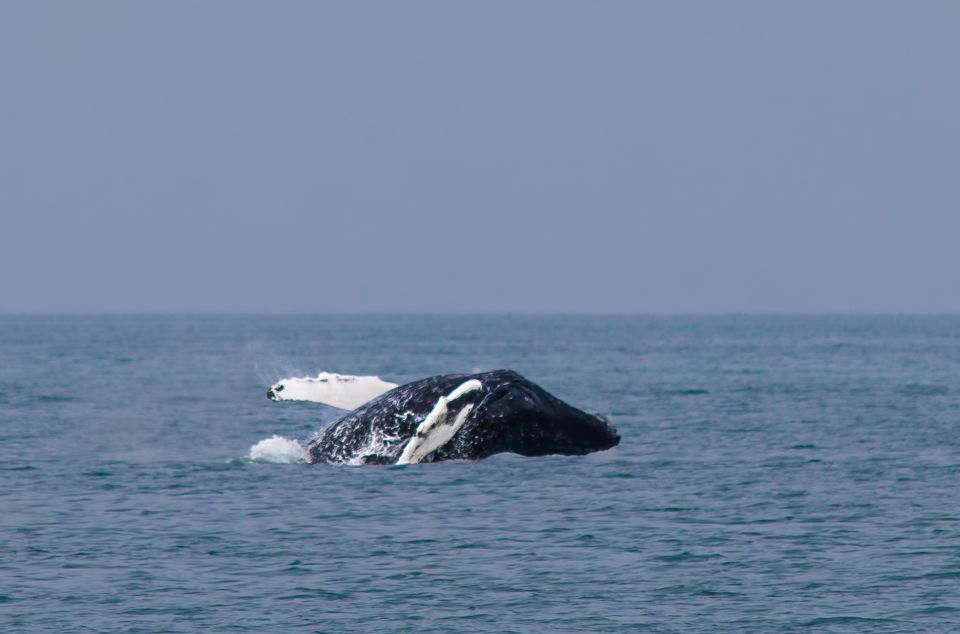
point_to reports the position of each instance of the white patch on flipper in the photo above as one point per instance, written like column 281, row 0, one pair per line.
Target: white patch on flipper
column 465, row 388
column 436, row 438
column 433, row 433
column 343, row 391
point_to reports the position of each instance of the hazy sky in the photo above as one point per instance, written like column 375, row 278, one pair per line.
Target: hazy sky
column 480, row 156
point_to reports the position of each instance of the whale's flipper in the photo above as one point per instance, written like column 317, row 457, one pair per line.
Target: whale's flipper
column 434, row 432
column 342, row 391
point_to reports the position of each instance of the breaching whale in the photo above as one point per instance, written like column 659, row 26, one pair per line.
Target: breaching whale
column 459, row 417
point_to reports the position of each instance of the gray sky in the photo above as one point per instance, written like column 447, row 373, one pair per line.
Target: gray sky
column 480, row 156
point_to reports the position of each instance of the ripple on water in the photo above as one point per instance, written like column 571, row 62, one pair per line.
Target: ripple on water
column 764, row 483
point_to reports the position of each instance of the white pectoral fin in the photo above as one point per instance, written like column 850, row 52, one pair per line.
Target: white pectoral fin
column 436, row 416
column 342, row 391
column 434, row 432
column 464, row 388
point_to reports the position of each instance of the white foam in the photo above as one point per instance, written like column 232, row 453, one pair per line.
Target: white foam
column 378, row 444
column 343, row 391
column 433, row 433
column 278, row 450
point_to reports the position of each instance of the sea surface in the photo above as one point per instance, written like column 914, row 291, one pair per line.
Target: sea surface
column 776, row 474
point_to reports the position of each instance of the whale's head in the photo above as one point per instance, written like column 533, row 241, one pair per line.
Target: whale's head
column 521, row 417
column 574, row 432
column 592, row 432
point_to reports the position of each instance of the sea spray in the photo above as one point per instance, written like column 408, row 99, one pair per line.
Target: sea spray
column 278, row 450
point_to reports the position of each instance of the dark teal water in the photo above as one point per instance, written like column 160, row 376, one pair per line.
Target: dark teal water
column 776, row 474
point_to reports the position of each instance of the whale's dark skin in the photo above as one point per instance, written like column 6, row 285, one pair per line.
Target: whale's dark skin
column 510, row 414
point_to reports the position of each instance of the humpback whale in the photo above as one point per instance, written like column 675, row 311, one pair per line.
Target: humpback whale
column 459, row 417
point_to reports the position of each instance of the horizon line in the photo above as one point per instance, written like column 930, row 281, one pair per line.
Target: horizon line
column 904, row 313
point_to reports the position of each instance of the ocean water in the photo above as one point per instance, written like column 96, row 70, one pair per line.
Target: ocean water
column 776, row 474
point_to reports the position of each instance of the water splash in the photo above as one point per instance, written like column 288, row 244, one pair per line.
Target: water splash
column 278, row 450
